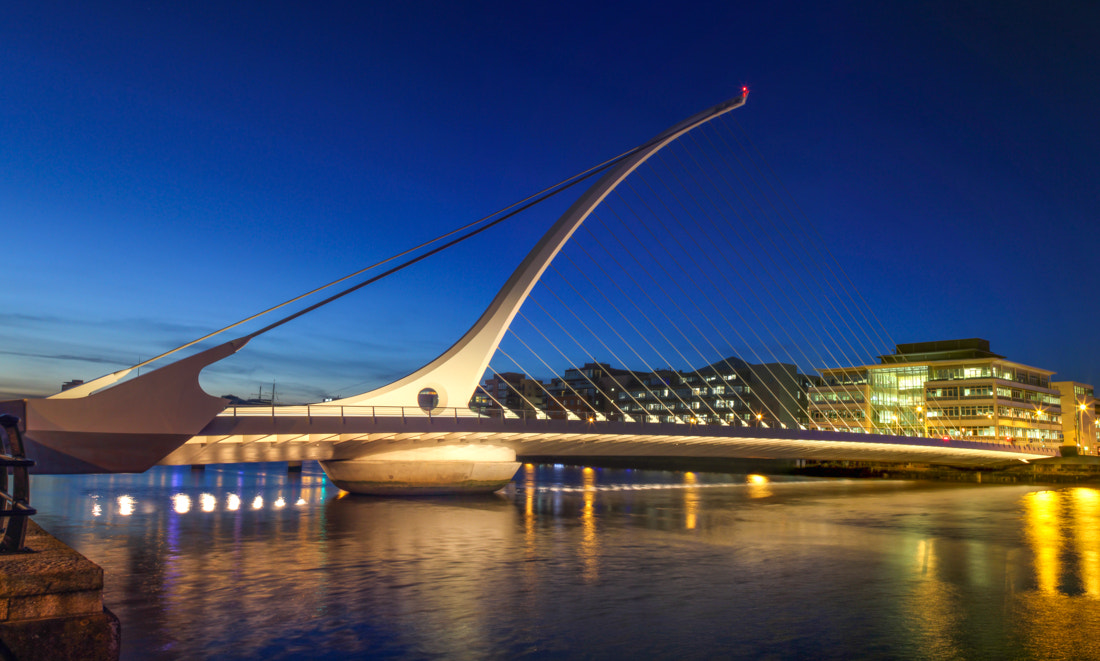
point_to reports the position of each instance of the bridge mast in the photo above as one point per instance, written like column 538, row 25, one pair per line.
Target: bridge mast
column 450, row 379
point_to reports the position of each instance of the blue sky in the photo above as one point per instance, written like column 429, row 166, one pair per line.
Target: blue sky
column 166, row 169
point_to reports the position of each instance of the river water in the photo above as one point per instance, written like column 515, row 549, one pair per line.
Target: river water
column 248, row 562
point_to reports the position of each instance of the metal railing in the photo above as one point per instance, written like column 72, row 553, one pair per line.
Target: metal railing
column 312, row 411
column 411, row 412
column 15, row 509
column 406, row 413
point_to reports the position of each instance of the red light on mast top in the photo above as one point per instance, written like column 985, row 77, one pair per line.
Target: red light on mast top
column 744, row 90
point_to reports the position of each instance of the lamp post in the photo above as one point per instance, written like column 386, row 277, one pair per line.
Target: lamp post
column 1039, row 416
column 923, row 419
column 1079, row 422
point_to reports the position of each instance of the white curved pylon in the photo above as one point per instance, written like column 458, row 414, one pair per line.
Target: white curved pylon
column 456, row 373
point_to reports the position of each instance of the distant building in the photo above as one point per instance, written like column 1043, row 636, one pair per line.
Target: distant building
column 730, row 391
column 71, row 384
column 591, row 390
column 950, row 388
column 509, row 390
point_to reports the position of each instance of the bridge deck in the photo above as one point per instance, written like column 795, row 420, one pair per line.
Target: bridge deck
column 263, row 435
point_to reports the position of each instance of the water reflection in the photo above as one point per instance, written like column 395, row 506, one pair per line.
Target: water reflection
column 587, row 561
column 181, row 503
column 1086, row 536
column 1044, row 532
column 691, row 500
column 1061, row 616
column 758, row 486
column 590, row 547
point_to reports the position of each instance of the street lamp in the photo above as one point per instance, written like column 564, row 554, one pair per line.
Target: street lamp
column 1038, row 415
column 759, row 418
column 1079, row 422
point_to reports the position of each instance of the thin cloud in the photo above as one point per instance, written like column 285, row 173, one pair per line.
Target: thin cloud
column 63, row 356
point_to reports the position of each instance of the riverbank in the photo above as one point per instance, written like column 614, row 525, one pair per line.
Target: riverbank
column 1055, row 470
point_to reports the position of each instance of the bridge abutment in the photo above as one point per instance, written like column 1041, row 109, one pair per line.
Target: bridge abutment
column 426, row 471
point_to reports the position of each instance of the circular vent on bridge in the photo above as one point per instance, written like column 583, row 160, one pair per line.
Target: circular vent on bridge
column 428, row 399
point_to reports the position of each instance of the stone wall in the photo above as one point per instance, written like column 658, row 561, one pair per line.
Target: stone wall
column 51, row 604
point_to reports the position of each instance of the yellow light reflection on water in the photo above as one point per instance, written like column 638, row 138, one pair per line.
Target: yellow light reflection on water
column 1041, row 509
column 1060, row 619
column 1086, row 537
column 691, row 500
column 589, row 541
column 280, row 502
column 126, row 505
column 758, row 486
column 529, row 497
column 531, row 572
column 208, row 502
column 932, row 605
column 258, row 502
column 301, row 501
column 181, row 503
column 232, row 502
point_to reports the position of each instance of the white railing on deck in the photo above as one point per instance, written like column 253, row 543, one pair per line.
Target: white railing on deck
column 311, row 411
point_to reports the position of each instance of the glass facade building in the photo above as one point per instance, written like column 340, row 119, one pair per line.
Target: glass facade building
column 953, row 389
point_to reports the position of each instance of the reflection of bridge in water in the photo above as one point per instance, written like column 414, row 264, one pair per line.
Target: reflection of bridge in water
column 571, row 539
column 417, row 434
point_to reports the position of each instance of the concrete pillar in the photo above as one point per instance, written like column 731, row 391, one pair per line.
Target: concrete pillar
column 426, row 471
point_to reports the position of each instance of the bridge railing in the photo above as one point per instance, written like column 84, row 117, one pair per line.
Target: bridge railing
column 406, row 413
column 412, row 412
column 15, row 509
column 441, row 413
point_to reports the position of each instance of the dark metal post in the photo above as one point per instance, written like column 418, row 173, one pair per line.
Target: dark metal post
column 15, row 509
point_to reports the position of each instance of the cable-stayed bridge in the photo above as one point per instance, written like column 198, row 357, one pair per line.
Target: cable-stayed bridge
column 684, row 271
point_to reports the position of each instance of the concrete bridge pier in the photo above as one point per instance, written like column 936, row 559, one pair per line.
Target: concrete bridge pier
column 426, row 471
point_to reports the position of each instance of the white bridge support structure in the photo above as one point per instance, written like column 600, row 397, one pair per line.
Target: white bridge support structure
column 106, row 426
column 450, row 379
column 417, row 435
